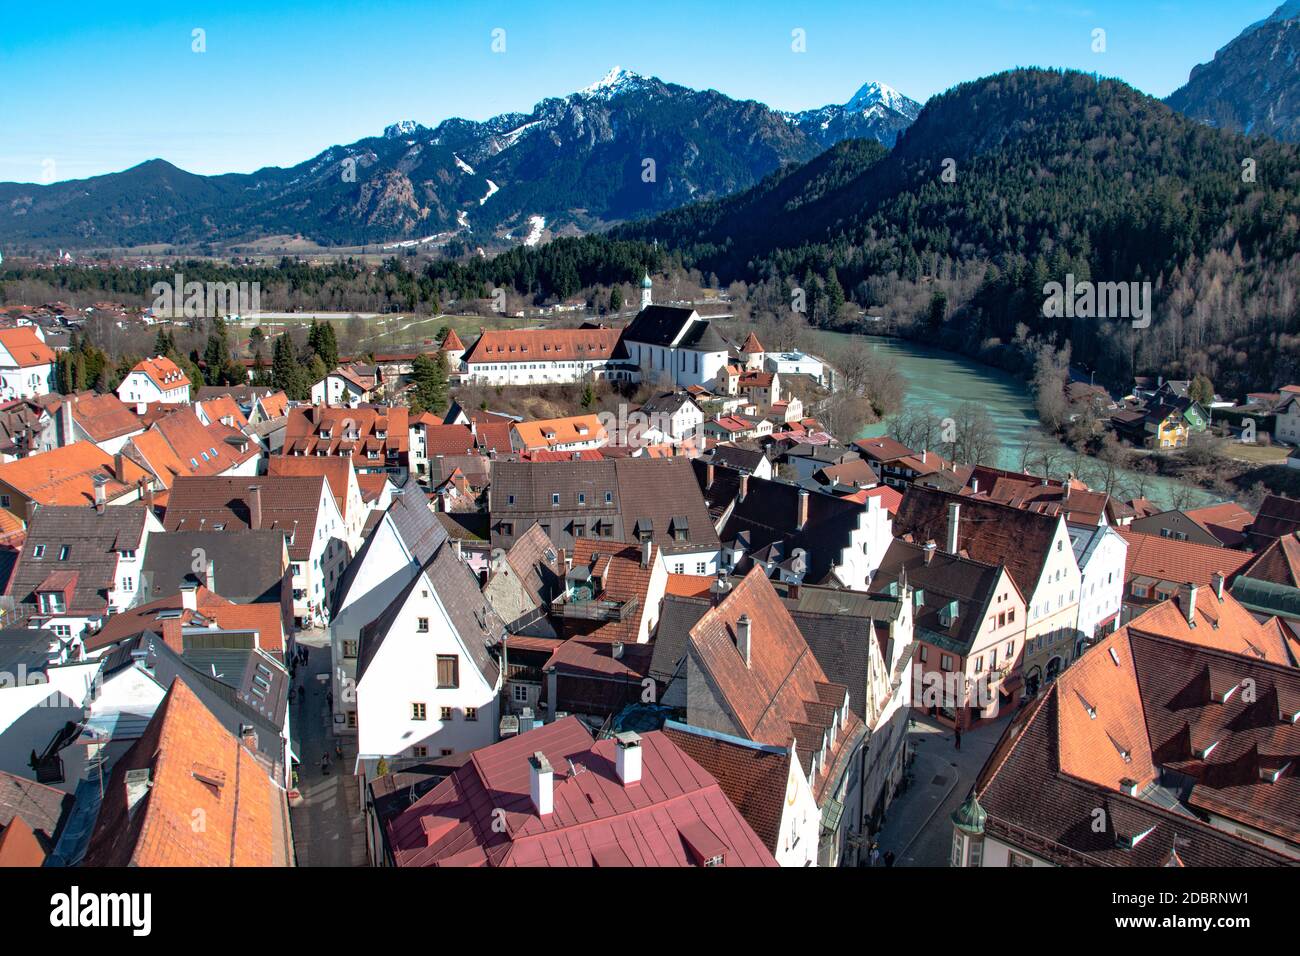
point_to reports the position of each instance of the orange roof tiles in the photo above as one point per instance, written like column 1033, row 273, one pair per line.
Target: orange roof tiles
column 1182, row 562
column 547, row 433
column 163, row 372
column 452, row 342
column 198, row 772
column 19, row 846
column 65, row 476
column 782, row 694
column 265, row 618
column 25, row 347
column 103, row 417
column 541, row 345
column 1221, row 623
column 689, row 585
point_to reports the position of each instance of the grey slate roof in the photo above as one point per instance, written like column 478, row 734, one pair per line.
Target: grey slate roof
column 248, row 566
column 677, row 615
column 476, row 623
column 26, row 647
column 91, row 537
column 42, row 808
column 643, row 494
column 657, row 325
column 229, row 696
column 767, row 520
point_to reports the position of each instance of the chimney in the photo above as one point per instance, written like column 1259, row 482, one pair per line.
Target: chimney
column 627, row 757
column 708, row 475
column 211, row 577
column 541, row 782
column 647, row 550
column 148, row 495
column 100, row 497
column 954, row 519
column 1190, row 608
column 255, row 507
column 742, row 637
column 928, row 548
column 248, row 736
column 171, row 634
column 1216, row 582
column 119, row 471
column 974, row 486
column 718, row 590
column 190, row 597
column 803, row 509
column 616, row 651
column 924, row 453
column 455, row 547
column 744, row 486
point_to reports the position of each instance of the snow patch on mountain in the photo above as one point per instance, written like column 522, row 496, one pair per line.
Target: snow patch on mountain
column 402, row 128
column 492, row 188
column 614, row 83
column 464, row 166
column 535, row 226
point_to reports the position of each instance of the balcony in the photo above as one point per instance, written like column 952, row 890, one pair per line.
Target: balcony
column 594, row 609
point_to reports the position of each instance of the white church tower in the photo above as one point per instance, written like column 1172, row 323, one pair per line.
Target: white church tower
column 645, row 291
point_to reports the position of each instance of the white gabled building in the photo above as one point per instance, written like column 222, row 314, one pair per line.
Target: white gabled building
column 676, row 345
column 427, row 682
column 546, row 356
column 1101, row 552
column 397, row 547
column 26, row 363
column 156, row 379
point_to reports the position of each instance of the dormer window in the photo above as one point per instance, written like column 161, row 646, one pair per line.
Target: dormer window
column 38, row 552
column 64, row 552
column 53, row 602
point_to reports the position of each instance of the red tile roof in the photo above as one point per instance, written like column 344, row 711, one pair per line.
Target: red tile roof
column 544, row 345
column 1180, row 562
column 163, row 372
column 265, row 618
column 198, row 772
column 783, row 694
column 483, row 815
column 19, row 846
column 25, row 347
column 66, row 476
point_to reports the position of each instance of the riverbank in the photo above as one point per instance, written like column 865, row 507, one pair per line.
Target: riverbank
column 942, row 381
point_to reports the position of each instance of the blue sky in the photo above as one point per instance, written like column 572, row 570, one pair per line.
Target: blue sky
column 94, row 87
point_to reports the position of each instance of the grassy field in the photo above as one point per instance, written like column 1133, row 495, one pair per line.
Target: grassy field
column 384, row 333
column 1257, row 454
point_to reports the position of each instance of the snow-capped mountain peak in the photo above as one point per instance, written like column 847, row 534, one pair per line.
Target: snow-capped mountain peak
column 402, row 128
column 873, row 94
column 616, row 81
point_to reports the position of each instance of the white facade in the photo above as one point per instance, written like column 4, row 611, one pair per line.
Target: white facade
column 35, row 709
column 1051, row 631
column 314, row 580
column 1286, row 427
column 1101, row 558
column 382, row 572
column 794, row 363
column 138, row 387
column 335, row 389
column 682, row 366
column 402, row 709
column 546, row 373
column 28, row 382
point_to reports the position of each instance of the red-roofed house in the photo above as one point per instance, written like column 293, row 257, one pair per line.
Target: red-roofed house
column 26, row 363
column 553, row 797
column 156, row 379
column 751, row 674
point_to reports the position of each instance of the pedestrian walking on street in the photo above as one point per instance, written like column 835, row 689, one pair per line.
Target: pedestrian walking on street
column 889, row 858
column 957, row 738
column 325, row 763
column 875, row 853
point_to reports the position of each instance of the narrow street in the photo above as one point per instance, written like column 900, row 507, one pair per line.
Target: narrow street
column 918, row 828
column 327, row 824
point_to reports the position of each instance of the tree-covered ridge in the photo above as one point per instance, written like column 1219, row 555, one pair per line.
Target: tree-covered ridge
column 1054, row 172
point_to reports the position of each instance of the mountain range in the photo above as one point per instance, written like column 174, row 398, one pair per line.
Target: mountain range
column 1253, row 84
column 625, row 147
